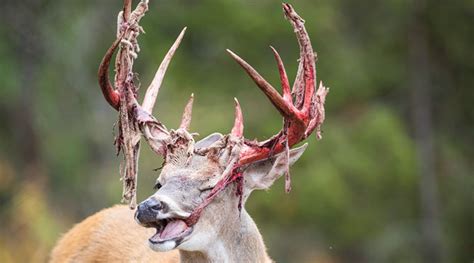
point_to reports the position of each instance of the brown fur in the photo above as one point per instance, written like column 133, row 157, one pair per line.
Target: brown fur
column 110, row 235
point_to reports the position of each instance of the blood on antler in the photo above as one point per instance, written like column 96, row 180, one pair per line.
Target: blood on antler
column 135, row 120
column 302, row 109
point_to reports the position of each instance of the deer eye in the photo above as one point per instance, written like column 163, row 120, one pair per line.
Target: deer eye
column 206, row 189
column 157, row 186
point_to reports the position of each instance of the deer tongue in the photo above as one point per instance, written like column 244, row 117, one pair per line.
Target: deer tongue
column 173, row 229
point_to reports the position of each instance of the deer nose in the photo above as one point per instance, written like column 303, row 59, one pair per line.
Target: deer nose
column 154, row 204
column 148, row 210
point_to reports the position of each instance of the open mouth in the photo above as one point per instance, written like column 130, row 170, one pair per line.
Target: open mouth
column 170, row 229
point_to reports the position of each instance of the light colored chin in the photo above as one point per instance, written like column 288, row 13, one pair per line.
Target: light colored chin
column 162, row 247
column 194, row 243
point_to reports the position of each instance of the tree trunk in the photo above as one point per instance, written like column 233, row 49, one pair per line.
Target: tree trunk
column 421, row 88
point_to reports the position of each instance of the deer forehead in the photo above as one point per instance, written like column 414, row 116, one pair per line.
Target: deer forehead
column 198, row 168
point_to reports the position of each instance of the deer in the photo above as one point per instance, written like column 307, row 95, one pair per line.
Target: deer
column 197, row 213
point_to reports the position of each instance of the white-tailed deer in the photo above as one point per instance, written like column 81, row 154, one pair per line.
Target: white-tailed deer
column 198, row 206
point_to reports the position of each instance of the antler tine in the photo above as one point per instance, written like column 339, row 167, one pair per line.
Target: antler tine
column 127, row 9
column 187, row 114
column 275, row 98
column 110, row 95
column 304, row 85
column 285, row 84
column 238, row 129
column 154, row 88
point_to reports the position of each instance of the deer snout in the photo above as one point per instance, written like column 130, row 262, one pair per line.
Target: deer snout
column 148, row 210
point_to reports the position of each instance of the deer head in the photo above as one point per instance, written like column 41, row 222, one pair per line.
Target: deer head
column 203, row 185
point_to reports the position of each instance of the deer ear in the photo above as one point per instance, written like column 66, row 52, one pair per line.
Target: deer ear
column 262, row 174
column 206, row 142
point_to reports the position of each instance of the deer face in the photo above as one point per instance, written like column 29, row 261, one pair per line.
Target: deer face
column 187, row 182
column 184, row 183
column 193, row 202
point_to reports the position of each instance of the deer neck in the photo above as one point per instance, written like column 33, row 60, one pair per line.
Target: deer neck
column 238, row 241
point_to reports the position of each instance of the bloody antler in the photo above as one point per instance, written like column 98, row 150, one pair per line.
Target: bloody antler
column 110, row 95
column 302, row 114
column 135, row 120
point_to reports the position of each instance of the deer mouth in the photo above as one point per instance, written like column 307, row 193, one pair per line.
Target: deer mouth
column 172, row 229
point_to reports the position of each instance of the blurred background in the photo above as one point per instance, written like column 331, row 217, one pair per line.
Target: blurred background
column 391, row 180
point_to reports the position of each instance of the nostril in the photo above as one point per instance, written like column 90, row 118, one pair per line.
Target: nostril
column 157, row 207
column 154, row 205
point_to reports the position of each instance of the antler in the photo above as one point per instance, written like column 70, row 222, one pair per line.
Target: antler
column 135, row 119
column 302, row 114
column 302, row 108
